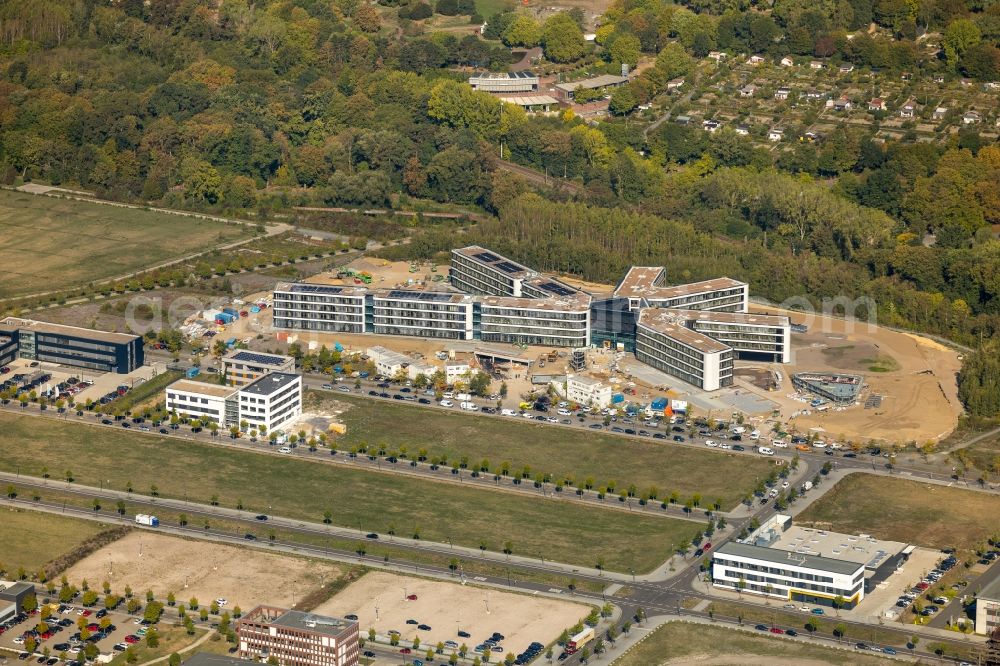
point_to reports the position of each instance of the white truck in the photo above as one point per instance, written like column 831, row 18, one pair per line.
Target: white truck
column 147, row 520
column 463, row 396
column 807, row 486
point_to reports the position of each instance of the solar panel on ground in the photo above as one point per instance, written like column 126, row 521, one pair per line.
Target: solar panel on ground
column 556, row 288
column 488, row 257
column 508, row 267
column 261, row 359
column 316, row 289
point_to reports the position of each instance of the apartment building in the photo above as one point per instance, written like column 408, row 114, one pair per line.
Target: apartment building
column 751, row 336
column 322, row 308
column 272, row 401
column 806, row 565
column 241, row 367
column 206, row 402
column 645, row 286
column 424, row 314
column 296, row 638
column 663, row 342
column 85, row 348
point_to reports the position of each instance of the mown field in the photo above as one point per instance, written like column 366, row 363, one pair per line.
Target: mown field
column 561, row 452
column 52, row 244
column 557, row 530
column 909, row 511
column 30, row 540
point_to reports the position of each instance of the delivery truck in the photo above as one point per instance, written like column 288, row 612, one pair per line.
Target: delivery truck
column 579, row 640
column 147, row 520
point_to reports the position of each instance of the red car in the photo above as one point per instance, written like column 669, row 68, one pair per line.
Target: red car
column 707, row 547
column 131, row 639
column 412, row 597
column 93, row 627
column 46, row 635
column 405, row 651
column 775, row 630
column 922, row 586
column 87, row 613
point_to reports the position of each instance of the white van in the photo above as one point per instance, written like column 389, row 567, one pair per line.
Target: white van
column 463, row 396
column 765, row 451
column 508, row 412
column 446, row 403
column 779, row 443
column 738, row 430
column 755, row 435
column 711, row 443
column 469, row 406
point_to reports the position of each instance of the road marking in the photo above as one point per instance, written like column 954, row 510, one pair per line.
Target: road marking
column 480, row 578
column 555, row 590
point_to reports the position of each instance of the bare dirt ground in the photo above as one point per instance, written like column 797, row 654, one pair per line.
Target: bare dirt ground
column 206, row 571
column 448, row 607
column 390, row 274
column 920, row 394
column 743, row 660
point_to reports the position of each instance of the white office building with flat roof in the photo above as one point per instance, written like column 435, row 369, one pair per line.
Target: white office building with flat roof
column 272, row 401
column 664, row 343
column 321, row 308
column 753, row 336
column 549, row 322
column 645, row 286
column 588, row 392
column 206, row 402
column 424, row 314
column 242, row 366
column 504, row 82
column 807, row 565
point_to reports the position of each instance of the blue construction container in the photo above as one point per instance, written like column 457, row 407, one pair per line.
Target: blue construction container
column 192, row 373
column 224, row 318
column 658, row 405
column 617, row 398
column 231, row 342
column 254, row 309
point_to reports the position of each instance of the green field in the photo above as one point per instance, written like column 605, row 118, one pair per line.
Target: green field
column 560, row 452
column 919, row 513
column 676, row 642
column 52, row 243
column 30, row 540
column 559, row 530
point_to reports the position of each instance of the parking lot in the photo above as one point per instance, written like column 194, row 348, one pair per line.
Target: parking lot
column 94, row 384
column 62, row 640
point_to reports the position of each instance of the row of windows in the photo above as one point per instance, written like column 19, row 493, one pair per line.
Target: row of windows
column 322, row 314
column 292, row 299
column 777, row 570
column 448, row 334
column 321, row 326
column 80, row 363
column 535, row 339
column 197, row 409
column 408, row 307
column 186, row 398
column 767, row 580
column 61, row 341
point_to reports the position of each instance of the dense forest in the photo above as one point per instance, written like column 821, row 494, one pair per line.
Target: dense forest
column 249, row 108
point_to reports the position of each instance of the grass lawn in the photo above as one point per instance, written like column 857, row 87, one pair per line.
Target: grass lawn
column 172, row 639
column 677, row 642
column 30, row 540
column 150, row 390
column 52, row 243
column 909, row 511
column 560, row 530
column 561, row 452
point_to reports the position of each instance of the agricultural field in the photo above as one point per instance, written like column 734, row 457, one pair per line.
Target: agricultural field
column 902, row 510
column 52, row 243
column 683, row 643
column 30, row 540
column 561, row 452
column 302, row 489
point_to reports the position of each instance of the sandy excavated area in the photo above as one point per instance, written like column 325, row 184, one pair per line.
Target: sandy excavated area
column 920, row 397
column 446, row 607
column 746, row 660
column 206, row 571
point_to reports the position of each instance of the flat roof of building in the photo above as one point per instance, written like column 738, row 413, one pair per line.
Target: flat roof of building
column 991, row 590
column 389, row 355
column 594, row 82
column 587, row 381
column 203, row 388
column 320, row 284
column 641, row 282
column 666, row 322
column 320, row 624
column 62, row 329
column 530, row 100
column 13, row 588
column 481, row 255
column 257, row 358
column 749, row 319
column 487, row 76
column 209, row 659
column 422, row 296
column 269, row 383
column 861, row 549
column 788, row 558
column 573, row 303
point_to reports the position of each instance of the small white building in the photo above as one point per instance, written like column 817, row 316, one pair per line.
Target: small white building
column 748, row 90
column 755, row 60
column 782, row 93
column 876, row 104
column 787, row 62
column 971, row 118
column 417, row 368
column 387, row 362
column 940, row 113
column 743, row 130
column 908, row 110
column 200, row 400
column 711, row 126
column 587, row 391
column 846, row 69
column 718, row 56
column 674, row 84
column 816, row 64
column 775, row 134
column 456, row 371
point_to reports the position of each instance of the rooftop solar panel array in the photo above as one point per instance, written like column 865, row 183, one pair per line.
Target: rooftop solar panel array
column 420, row 295
column 509, row 267
column 316, row 289
column 556, row 288
column 261, row 359
column 488, row 257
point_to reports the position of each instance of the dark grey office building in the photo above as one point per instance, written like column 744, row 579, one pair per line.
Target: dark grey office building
column 71, row 345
